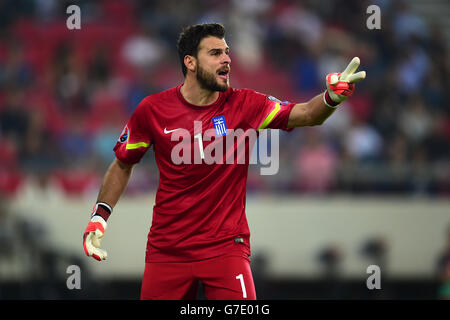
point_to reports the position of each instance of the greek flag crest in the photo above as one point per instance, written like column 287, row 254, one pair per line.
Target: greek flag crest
column 220, row 126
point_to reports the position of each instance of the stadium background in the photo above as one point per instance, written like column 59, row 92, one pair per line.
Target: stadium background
column 370, row 186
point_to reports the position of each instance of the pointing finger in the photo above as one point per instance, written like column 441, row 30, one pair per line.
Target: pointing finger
column 354, row 78
column 351, row 68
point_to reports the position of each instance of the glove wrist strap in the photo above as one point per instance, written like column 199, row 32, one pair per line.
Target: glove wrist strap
column 103, row 210
column 328, row 101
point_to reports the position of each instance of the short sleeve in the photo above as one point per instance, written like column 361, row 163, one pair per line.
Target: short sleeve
column 135, row 138
column 265, row 111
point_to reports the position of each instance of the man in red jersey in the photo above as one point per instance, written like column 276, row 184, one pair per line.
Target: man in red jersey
column 199, row 230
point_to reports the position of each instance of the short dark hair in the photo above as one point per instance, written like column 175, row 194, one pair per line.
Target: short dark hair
column 191, row 37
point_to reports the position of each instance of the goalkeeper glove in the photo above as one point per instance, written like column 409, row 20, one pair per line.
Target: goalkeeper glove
column 340, row 86
column 95, row 230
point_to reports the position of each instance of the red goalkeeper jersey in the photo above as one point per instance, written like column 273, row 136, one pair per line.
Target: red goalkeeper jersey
column 199, row 209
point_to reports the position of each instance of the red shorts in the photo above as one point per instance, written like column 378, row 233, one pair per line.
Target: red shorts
column 223, row 278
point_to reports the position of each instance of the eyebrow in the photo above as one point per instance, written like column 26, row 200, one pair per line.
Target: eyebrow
column 219, row 49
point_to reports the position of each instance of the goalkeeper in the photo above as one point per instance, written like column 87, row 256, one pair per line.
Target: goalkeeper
column 199, row 230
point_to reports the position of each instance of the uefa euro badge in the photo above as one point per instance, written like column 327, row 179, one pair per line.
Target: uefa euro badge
column 124, row 135
column 220, row 126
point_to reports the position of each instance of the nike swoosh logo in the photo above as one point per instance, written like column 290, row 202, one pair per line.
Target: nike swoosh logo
column 169, row 131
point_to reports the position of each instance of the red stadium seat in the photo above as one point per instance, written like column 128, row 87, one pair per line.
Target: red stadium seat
column 76, row 182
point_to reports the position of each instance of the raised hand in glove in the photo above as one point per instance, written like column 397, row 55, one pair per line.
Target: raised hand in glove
column 340, row 86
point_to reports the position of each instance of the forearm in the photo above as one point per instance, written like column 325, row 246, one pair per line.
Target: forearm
column 114, row 183
column 311, row 113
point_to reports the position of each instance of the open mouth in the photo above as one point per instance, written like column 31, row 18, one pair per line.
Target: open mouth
column 224, row 73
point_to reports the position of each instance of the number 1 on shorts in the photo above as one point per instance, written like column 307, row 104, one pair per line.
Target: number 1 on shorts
column 241, row 279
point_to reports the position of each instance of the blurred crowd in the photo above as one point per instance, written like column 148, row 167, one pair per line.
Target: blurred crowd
column 65, row 95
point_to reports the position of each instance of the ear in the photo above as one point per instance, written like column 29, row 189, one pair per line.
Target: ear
column 190, row 62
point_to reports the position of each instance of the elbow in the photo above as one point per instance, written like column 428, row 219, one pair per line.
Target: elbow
column 319, row 122
column 123, row 166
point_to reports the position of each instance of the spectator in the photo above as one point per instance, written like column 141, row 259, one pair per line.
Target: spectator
column 87, row 83
column 315, row 164
column 143, row 50
column 363, row 142
column 415, row 121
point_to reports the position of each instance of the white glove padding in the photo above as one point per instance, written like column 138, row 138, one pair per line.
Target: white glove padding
column 92, row 238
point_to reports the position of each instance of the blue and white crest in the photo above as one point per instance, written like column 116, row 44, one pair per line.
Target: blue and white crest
column 124, row 135
column 220, row 126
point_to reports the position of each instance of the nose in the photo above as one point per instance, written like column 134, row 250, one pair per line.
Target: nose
column 226, row 59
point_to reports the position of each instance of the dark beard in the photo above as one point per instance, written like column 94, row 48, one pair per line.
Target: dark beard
column 208, row 81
